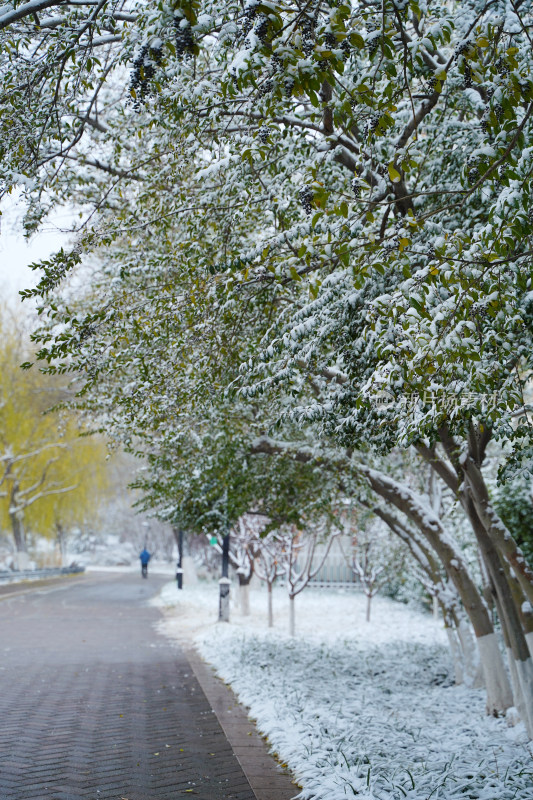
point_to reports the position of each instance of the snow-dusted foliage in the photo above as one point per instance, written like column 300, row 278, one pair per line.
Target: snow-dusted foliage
column 377, row 156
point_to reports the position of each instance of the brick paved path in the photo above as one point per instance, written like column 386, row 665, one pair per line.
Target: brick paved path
column 94, row 704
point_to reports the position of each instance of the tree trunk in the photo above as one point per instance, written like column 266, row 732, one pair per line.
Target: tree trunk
column 456, row 652
column 525, row 676
column 17, row 527
column 496, row 530
column 178, row 536
column 244, row 595
column 473, row 672
column 493, row 539
column 499, row 695
column 507, row 611
column 443, row 594
column 62, row 542
column 292, row 620
column 368, row 604
column 515, row 683
column 270, row 611
column 525, row 611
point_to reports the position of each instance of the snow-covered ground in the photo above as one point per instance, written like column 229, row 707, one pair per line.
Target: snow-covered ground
column 356, row 709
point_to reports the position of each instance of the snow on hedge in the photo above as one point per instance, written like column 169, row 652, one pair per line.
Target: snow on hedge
column 357, row 709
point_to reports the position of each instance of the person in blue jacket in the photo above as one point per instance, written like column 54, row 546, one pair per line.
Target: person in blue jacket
column 145, row 558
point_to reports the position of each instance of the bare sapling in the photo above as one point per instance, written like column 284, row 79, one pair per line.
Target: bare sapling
column 300, row 572
column 269, row 566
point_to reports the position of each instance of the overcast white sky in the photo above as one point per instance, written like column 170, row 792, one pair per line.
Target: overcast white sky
column 16, row 253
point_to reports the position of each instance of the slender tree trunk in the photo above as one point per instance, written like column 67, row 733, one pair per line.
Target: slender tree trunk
column 224, row 583
column 16, row 522
column 525, row 676
column 177, row 530
column 62, row 542
column 244, row 594
column 292, row 618
column 368, row 604
column 270, row 610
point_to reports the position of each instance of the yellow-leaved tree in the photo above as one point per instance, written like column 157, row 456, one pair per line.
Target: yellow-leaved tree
column 51, row 476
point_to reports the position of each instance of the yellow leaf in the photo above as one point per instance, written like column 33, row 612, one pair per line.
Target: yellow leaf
column 295, row 277
column 394, row 174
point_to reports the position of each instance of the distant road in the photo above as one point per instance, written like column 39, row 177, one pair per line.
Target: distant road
column 95, row 704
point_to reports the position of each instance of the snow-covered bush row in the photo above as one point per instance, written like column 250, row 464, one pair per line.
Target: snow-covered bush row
column 380, row 721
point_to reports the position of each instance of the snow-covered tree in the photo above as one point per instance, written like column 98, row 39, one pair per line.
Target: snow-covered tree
column 366, row 560
column 353, row 179
column 301, row 559
column 270, row 565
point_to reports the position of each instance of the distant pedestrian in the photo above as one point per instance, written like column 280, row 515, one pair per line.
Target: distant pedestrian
column 145, row 558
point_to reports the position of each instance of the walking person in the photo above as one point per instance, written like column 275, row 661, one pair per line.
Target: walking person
column 145, row 557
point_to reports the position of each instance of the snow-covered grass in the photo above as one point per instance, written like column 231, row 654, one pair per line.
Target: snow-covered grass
column 356, row 709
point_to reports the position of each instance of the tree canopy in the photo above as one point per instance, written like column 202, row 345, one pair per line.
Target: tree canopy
column 366, row 167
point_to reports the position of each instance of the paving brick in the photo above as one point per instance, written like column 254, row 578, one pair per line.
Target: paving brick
column 90, row 709
column 264, row 774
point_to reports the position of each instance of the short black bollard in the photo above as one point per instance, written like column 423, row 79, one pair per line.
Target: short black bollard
column 179, row 576
column 179, row 565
